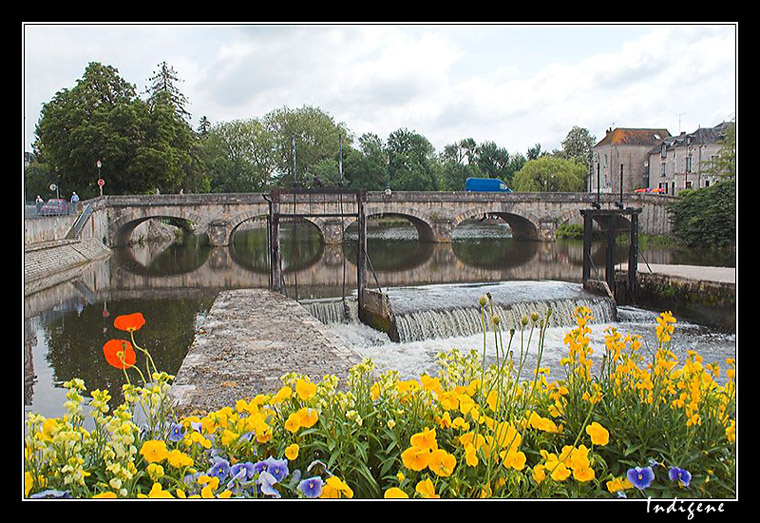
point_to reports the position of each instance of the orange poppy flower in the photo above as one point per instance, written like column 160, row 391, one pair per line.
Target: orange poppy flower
column 129, row 322
column 119, row 353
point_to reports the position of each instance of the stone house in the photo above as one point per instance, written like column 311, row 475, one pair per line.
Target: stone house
column 624, row 153
column 683, row 161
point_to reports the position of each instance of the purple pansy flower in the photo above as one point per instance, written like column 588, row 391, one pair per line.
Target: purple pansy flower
column 311, row 487
column 267, row 482
column 176, row 433
column 57, row 494
column 277, row 467
column 640, row 477
column 220, row 469
column 259, row 467
column 683, row 476
column 245, row 470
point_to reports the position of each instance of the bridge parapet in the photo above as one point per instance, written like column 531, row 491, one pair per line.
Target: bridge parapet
column 533, row 216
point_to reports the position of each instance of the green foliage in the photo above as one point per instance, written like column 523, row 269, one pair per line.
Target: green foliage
column 471, row 431
column 411, row 164
column 550, row 174
column 239, row 156
column 144, row 145
column 570, row 230
column 725, row 163
column 706, row 217
column 367, row 166
column 140, row 147
column 316, row 136
column 577, row 146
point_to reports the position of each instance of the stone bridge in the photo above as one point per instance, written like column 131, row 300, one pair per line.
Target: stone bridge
column 435, row 215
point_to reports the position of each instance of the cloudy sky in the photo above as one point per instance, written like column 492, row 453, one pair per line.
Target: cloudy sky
column 516, row 85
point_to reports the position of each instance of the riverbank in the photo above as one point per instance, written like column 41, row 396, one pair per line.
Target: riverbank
column 705, row 295
column 47, row 264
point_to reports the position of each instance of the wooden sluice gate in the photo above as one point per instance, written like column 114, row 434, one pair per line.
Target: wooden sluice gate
column 612, row 221
column 326, row 204
column 252, row 337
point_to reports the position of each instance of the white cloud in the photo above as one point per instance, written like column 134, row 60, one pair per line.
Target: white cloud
column 515, row 85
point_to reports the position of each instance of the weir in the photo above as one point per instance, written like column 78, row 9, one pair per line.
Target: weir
column 446, row 311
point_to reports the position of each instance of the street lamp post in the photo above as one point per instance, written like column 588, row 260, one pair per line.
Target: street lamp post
column 101, row 182
column 598, row 204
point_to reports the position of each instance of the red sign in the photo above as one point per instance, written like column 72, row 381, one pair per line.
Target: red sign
column 101, row 182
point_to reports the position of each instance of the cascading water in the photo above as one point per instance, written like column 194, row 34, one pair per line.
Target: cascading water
column 448, row 323
column 333, row 311
column 445, row 311
column 440, row 318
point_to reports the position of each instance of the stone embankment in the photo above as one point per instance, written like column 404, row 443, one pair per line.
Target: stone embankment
column 705, row 295
column 49, row 263
column 249, row 340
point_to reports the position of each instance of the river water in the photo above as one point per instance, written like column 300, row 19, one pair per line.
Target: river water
column 434, row 289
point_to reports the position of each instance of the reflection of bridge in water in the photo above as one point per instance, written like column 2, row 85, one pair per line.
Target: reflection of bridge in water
column 323, row 276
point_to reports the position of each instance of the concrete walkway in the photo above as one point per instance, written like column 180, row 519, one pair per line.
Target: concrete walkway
column 691, row 272
column 252, row 337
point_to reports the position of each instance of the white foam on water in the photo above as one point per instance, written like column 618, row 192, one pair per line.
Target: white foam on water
column 427, row 331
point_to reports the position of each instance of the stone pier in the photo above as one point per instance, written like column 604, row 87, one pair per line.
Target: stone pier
column 706, row 295
column 252, row 337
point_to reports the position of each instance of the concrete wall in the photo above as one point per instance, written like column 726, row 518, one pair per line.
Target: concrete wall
column 40, row 229
column 705, row 302
column 376, row 312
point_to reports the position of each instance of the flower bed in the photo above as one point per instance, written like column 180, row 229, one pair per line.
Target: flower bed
column 639, row 426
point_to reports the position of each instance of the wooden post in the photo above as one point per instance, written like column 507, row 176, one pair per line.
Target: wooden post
column 587, row 229
column 610, row 254
column 633, row 252
column 361, row 256
column 275, row 260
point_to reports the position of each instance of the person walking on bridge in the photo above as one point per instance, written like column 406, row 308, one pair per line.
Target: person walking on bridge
column 74, row 201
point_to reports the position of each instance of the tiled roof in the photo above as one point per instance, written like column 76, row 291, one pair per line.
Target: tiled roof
column 624, row 136
column 703, row 135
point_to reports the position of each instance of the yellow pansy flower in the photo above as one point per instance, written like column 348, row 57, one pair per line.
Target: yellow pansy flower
column 599, row 435
column 291, row 452
column 395, row 493
column 305, row 389
column 441, row 462
column 425, row 440
column 415, row 458
column 154, row 451
column 426, row 489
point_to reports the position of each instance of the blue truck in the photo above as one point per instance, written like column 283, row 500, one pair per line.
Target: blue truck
column 485, row 185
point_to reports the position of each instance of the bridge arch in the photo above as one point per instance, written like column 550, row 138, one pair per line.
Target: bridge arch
column 421, row 222
column 525, row 226
column 122, row 228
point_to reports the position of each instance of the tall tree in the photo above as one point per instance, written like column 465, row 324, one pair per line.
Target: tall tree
column 367, row 166
column 165, row 80
column 577, row 146
column 411, row 165
column 534, row 152
column 493, row 162
column 203, row 126
column 239, row 156
column 100, row 118
column 141, row 148
column 169, row 159
column 550, row 174
column 316, row 137
column 458, row 161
